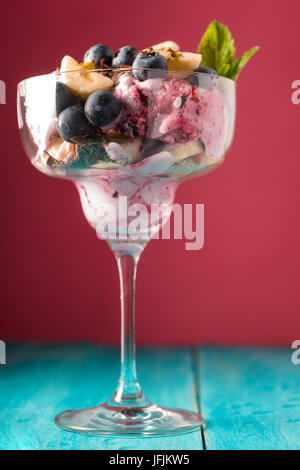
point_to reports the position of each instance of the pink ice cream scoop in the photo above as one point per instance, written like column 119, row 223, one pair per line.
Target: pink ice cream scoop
column 172, row 111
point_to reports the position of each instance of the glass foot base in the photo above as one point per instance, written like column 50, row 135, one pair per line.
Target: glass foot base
column 151, row 420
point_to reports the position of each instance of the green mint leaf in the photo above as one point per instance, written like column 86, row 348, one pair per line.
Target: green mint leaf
column 218, row 51
column 238, row 64
column 217, row 47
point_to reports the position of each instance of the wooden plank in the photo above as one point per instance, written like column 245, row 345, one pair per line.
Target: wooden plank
column 39, row 382
column 250, row 398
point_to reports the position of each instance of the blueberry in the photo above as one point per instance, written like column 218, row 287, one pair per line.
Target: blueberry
column 102, row 108
column 64, row 97
column 149, row 60
column 124, row 56
column 207, row 81
column 99, row 53
column 72, row 122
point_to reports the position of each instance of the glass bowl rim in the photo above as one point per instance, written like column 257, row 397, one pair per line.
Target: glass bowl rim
column 127, row 69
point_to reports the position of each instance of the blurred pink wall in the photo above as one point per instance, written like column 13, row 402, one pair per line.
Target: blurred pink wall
column 59, row 282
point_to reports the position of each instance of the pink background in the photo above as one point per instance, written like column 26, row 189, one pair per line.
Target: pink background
column 59, row 282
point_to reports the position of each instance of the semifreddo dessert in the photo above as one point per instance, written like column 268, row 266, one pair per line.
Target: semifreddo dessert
column 134, row 123
column 117, row 109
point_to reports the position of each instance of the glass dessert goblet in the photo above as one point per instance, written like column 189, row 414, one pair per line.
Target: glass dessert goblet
column 163, row 129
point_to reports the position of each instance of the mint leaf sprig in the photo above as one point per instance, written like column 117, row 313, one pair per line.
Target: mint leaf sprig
column 218, row 51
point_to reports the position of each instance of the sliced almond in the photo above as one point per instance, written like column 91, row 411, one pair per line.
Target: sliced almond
column 85, row 82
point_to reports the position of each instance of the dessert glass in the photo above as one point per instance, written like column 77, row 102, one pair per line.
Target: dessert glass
column 174, row 131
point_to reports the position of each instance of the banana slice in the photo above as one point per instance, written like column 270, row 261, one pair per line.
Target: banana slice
column 167, row 49
column 84, row 83
column 184, row 62
column 180, row 61
column 187, row 150
column 106, row 165
column 165, row 46
column 133, row 147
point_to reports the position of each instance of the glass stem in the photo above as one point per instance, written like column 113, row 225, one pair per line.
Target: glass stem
column 128, row 392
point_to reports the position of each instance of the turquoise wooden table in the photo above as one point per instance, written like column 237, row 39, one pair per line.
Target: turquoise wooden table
column 249, row 397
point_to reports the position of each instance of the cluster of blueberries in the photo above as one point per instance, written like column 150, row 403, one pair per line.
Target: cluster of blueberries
column 127, row 55
column 78, row 119
column 102, row 107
